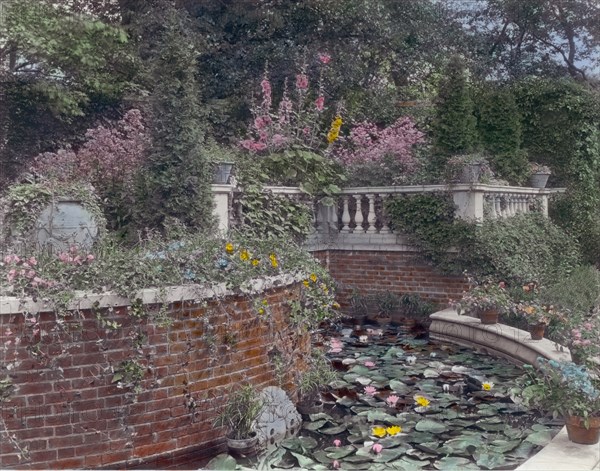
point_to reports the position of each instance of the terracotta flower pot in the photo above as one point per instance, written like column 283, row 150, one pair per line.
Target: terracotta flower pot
column 537, row 331
column 579, row 434
column 489, row 316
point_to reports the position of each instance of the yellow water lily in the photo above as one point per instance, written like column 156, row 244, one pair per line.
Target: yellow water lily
column 394, row 430
column 422, row 401
column 487, row 386
column 379, row 432
column 229, row 247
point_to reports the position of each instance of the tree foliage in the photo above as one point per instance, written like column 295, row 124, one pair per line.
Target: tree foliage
column 175, row 183
column 454, row 127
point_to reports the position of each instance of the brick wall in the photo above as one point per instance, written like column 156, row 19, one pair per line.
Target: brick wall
column 398, row 272
column 67, row 412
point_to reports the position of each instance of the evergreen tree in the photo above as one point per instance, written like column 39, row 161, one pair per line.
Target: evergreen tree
column 499, row 127
column 176, row 181
column 454, row 126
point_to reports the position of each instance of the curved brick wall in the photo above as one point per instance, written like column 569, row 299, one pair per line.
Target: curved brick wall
column 67, row 412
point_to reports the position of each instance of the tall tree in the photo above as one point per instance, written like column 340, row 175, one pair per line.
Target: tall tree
column 454, row 126
column 535, row 37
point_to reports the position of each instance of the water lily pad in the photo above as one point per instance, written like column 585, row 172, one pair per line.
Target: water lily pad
column 333, row 430
column 340, row 452
column 222, row 461
column 322, row 457
column 539, row 438
column 346, row 401
column 316, row 425
column 339, row 384
column 390, row 454
column 299, row 444
column 522, row 451
column 489, row 460
column 408, row 464
column 399, row 387
column 452, row 463
column 303, row 461
column 502, row 446
column 380, row 415
column 430, row 373
column 433, row 426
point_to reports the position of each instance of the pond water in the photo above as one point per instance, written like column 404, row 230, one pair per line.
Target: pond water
column 404, row 402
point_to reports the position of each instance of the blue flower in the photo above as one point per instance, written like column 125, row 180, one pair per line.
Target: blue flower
column 222, row 263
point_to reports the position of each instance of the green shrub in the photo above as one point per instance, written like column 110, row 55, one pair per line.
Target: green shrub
column 520, row 249
column 429, row 223
column 577, row 293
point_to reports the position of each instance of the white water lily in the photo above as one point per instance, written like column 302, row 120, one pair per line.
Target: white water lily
column 411, row 360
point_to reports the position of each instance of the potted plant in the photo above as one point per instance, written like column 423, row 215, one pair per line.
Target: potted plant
column 583, row 340
column 387, row 304
column 318, row 375
column 486, row 299
column 238, row 415
column 539, row 175
column 468, row 168
column 359, row 307
column 569, row 391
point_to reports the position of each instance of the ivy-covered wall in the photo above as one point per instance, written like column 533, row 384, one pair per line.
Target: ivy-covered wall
column 130, row 392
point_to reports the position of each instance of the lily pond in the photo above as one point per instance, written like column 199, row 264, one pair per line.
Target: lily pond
column 402, row 402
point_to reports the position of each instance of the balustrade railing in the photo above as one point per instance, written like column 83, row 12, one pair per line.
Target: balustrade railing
column 361, row 210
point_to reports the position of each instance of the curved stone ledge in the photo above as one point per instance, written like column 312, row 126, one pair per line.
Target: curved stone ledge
column 500, row 340
column 516, row 346
column 168, row 294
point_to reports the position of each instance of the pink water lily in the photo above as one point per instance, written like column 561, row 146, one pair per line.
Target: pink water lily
column 337, row 442
column 377, row 448
column 370, row 390
column 369, row 364
column 392, row 400
column 335, row 464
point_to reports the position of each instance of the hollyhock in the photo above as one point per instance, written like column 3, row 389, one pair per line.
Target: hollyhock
column 320, row 103
column 301, row 82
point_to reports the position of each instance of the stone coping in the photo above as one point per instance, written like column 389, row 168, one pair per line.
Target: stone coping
column 516, row 346
column 168, row 294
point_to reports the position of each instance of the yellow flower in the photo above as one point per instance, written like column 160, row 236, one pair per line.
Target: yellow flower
column 244, row 255
column 261, row 311
column 306, row 283
column 394, row 430
column 229, row 247
column 334, row 131
column 274, row 262
column 255, row 262
column 313, row 277
column 422, row 401
column 336, row 305
column 379, row 432
column 487, row 386
column 529, row 309
column 265, row 302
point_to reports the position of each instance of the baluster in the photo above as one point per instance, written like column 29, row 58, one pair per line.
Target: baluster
column 317, row 222
column 385, row 227
column 358, row 217
column 510, row 209
column 491, row 200
column 345, row 214
column 371, row 217
column 498, row 204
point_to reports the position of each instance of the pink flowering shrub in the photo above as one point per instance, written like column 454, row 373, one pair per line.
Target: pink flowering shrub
column 369, row 144
column 108, row 159
column 294, row 121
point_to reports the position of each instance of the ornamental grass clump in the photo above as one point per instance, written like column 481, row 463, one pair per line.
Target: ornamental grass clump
column 562, row 388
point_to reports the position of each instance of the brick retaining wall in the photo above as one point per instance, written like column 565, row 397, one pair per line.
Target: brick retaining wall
column 398, row 272
column 67, row 412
